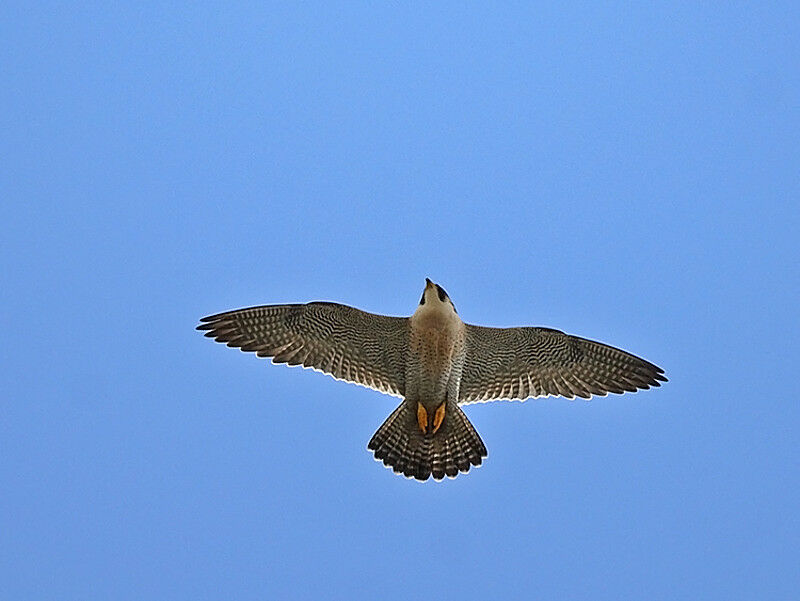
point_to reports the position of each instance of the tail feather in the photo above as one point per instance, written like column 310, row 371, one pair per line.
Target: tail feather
column 450, row 467
column 454, row 448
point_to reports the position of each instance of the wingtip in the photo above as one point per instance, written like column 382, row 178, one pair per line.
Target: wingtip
column 210, row 321
column 656, row 373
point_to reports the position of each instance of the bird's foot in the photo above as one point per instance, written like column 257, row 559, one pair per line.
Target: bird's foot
column 438, row 418
column 422, row 418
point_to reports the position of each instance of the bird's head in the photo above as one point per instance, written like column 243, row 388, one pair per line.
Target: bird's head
column 434, row 298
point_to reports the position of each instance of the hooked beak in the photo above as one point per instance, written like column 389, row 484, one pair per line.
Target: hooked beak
column 428, row 284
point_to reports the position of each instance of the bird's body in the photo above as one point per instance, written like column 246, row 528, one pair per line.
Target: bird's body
column 436, row 352
column 435, row 362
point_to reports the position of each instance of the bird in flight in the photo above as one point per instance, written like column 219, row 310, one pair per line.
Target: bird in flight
column 435, row 362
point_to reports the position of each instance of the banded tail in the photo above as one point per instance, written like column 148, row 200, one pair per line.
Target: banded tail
column 453, row 448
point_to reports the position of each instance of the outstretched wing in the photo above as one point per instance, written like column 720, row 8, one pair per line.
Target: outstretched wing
column 341, row 341
column 520, row 363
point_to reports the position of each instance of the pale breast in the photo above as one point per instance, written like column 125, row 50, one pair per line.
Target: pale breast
column 435, row 349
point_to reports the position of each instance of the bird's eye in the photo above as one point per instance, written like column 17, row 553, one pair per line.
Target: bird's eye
column 442, row 293
column 422, row 300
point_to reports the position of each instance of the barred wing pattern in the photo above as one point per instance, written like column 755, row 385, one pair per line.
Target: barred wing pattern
column 520, row 363
column 344, row 342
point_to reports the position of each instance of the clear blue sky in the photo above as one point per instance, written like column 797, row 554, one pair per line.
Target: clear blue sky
column 626, row 173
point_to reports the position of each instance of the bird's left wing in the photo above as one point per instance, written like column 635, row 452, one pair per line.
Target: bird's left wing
column 344, row 342
column 520, row 363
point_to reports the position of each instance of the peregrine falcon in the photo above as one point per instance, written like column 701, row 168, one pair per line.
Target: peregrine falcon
column 435, row 362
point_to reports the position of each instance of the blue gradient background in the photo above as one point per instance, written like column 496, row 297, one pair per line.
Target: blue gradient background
column 626, row 173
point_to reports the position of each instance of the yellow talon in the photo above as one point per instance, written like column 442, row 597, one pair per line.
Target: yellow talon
column 422, row 418
column 438, row 418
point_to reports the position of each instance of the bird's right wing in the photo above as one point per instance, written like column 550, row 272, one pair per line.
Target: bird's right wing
column 344, row 342
column 520, row 363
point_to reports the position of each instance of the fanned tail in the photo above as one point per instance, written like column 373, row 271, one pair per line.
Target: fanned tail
column 454, row 448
